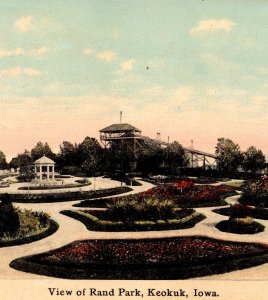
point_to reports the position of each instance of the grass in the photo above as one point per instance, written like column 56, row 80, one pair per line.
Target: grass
column 164, row 258
column 236, row 184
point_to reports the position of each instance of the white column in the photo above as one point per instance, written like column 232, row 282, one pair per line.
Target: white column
column 40, row 172
column 53, row 170
column 47, row 172
column 35, row 171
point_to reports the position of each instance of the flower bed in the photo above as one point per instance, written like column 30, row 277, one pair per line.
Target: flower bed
column 243, row 210
column 244, row 225
column 183, row 193
column 101, row 221
column 66, row 196
column 165, row 258
column 33, row 226
column 53, row 187
column 256, row 193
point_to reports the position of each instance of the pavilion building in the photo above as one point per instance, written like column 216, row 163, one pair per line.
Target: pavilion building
column 44, row 168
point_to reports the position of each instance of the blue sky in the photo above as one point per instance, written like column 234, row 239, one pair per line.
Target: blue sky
column 188, row 69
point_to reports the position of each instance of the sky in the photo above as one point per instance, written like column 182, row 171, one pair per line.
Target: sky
column 191, row 70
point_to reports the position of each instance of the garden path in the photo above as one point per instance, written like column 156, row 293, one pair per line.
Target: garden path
column 71, row 230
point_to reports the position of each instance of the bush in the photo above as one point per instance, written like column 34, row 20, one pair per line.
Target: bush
column 146, row 209
column 9, row 218
column 256, row 193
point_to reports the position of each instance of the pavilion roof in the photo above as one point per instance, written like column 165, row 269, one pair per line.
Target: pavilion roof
column 44, row 161
column 117, row 128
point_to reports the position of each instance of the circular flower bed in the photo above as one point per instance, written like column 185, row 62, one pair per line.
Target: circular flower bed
column 166, row 258
column 244, row 225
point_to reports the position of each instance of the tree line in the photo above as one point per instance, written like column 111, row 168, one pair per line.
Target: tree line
column 90, row 158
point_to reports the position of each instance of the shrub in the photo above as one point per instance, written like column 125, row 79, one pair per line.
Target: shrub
column 256, row 193
column 9, row 218
column 146, row 209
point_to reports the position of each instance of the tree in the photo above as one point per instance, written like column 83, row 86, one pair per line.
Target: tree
column 254, row 160
column 175, row 157
column 229, row 156
column 151, row 157
column 67, row 155
column 24, row 159
column 3, row 162
column 25, row 163
column 90, row 154
column 42, row 149
column 14, row 163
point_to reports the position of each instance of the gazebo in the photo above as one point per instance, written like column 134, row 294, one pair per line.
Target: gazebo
column 44, row 168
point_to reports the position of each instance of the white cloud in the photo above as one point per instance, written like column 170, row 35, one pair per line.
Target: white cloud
column 127, row 65
column 215, row 62
column 13, row 72
column 106, row 55
column 213, row 25
column 40, row 51
column 24, row 24
column 10, row 53
column 88, row 51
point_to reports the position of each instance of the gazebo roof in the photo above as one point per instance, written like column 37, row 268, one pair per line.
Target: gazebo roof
column 115, row 128
column 44, row 161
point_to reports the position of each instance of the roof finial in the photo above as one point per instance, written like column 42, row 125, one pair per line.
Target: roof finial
column 121, row 117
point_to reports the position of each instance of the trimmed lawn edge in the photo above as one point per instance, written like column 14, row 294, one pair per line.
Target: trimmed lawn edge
column 53, row 227
column 92, row 223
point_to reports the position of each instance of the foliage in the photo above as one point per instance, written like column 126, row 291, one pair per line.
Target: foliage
column 3, row 162
column 68, row 155
column 229, row 156
column 244, row 225
column 42, row 149
column 190, row 196
column 102, row 221
column 175, row 157
column 242, row 210
column 254, row 160
column 9, row 218
column 256, row 193
column 146, row 209
column 26, row 173
column 34, row 225
column 63, row 196
column 151, row 157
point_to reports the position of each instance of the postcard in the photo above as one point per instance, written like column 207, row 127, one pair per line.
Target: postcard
column 133, row 149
